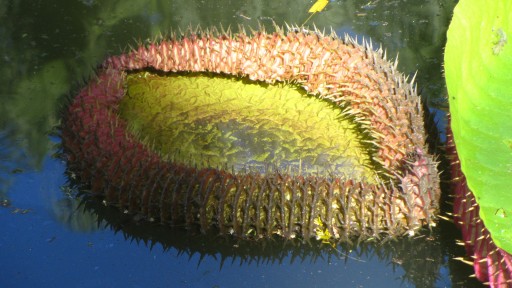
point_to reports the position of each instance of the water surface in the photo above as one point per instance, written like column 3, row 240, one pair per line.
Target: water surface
column 49, row 48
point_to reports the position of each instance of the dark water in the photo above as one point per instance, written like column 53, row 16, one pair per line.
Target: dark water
column 48, row 48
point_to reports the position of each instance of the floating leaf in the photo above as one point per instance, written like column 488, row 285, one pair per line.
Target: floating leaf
column 322, row 233
column 318, row 6
column 478, row 65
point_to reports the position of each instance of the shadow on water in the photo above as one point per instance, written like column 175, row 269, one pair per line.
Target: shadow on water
column 423, row 257
column 420, row 256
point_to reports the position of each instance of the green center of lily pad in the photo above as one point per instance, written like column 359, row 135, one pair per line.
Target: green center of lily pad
column 221, row 122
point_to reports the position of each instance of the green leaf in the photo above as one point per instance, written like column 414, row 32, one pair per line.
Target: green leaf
column 478, row 70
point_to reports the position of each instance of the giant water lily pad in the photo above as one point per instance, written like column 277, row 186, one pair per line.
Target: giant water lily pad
column 182, row 132
column 478, row 64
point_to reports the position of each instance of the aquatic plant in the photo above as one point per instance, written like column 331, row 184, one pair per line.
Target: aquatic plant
column 478, row 61
column 379, row 179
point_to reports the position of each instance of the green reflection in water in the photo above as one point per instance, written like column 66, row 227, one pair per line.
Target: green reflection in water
column 51, row 46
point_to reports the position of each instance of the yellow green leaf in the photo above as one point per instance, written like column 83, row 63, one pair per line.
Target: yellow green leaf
column 318, row 6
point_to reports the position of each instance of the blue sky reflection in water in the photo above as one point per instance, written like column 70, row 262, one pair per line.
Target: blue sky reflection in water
column 42, row 246
column 47, row 240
